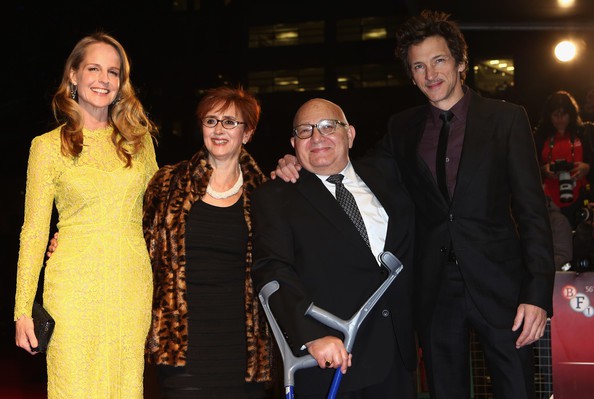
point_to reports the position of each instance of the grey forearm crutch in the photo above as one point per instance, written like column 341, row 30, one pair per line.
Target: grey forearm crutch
column 348, row 327
column 291, row 362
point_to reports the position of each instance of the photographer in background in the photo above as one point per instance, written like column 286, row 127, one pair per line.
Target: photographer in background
column 564, row 144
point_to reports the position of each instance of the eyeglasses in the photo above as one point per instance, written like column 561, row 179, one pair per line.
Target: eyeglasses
column 325, row 127
column 226, row 123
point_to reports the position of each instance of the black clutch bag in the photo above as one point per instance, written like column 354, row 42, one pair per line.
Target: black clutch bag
column 44, row 327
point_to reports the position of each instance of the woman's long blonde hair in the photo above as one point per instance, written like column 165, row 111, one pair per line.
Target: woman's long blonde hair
column 126, row 114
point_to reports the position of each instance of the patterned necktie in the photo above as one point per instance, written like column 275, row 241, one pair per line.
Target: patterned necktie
column 440, row 159
column 347, row 201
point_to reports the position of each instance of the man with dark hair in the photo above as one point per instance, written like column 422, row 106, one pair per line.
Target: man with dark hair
column 484, row 257
column 483, row 246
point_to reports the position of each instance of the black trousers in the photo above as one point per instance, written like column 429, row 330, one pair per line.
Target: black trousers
column 446, row 347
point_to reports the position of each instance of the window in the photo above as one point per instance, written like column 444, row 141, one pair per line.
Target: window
column 370, row 76
column 372, row 28
column 286, row 34
column 494, row 76
column 308, row 79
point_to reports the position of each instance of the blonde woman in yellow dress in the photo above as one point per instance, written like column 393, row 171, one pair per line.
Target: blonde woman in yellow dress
column 98, row 283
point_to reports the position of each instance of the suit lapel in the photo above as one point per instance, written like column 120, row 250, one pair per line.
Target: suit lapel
column 473, row 150
column 388, row 192
column 417, row 126
column 313, row 190
column 476, row 135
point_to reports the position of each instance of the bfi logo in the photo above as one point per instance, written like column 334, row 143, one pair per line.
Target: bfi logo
column 579, row 301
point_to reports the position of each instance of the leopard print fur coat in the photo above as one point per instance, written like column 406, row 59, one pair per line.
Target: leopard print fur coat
column 167, row 203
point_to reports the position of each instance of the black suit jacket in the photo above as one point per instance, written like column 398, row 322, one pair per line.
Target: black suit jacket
column 497, row 218
column 305, row 241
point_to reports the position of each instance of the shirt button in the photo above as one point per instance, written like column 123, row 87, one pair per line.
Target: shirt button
column 385, row 313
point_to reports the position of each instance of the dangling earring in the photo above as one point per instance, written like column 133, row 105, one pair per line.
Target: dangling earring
column 116, row 100
column 73, row 91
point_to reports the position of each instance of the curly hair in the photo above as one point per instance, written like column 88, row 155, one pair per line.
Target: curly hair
column 126, row 114
column 431, row 23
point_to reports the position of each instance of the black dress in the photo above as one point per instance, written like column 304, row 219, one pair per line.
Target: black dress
column 216, row 241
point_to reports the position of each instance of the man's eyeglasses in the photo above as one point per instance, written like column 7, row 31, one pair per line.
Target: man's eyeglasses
column 325, row 127
column 226, row 123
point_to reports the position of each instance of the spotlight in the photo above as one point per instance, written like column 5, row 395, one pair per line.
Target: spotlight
column 565, row 51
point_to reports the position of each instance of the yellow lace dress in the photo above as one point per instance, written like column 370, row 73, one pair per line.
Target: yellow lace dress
column 98, row 283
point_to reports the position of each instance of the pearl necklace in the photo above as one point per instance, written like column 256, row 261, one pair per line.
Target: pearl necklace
column 229, row 193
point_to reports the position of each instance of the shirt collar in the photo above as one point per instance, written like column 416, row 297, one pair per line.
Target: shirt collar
column 348, row 172
column 459, row 109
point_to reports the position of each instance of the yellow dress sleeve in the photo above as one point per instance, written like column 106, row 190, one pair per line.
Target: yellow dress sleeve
column 39, row 197
column 150, row 157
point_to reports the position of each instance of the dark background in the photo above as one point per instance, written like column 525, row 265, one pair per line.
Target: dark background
column 179, row 47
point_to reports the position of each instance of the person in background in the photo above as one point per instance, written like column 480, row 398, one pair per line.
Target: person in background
column 566, row 152
column 483, row 243
column 306, row 241
column 562, row 236
column 208, row 338
column 98, row 286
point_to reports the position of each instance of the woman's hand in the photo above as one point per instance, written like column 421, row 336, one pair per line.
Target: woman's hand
column 25, row 334
column 53, row 244
column 546, row 171
column 580, row 170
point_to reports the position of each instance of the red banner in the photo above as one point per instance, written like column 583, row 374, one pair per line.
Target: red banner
column 572, row 336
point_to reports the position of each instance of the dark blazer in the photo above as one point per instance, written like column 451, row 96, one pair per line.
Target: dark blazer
column 305, row 241
column 506, row 258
